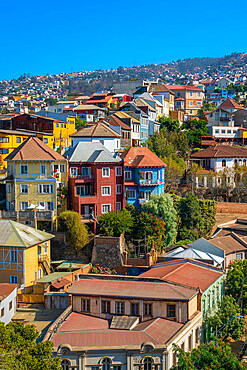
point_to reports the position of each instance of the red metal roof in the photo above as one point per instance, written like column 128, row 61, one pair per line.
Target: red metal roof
column 183, row 87
column 6, row 289
column 131, row 289
column 61, row 284
column 185, row 273
column 81, row 330
column 221, row 151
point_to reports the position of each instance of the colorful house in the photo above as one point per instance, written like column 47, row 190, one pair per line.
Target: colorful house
column 144, row 175
column 24, row 254
column 96, row 183
column 137, row 113
column 36, row 179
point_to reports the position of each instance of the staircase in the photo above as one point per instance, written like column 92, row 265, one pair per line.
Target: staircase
column 45, row 264
column 243, row 355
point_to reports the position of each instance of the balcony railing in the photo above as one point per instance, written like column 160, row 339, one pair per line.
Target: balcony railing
column 81, row 177
column 225, row 119
column 149, row 182
column 27, row 214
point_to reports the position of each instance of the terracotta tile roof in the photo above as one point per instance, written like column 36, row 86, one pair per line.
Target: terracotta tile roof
column 154, row 88
column 81, row 330
column 99, row 129
column 131, row 289
column 230, row 103
column 60, row 284
column 183, row 87
column 34, row 149
column 221, row 151
column 230, row 243
column 186, row 273
column 6, row 289
column 141, row 157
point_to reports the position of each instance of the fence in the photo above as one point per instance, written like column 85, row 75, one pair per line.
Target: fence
column 30, row 298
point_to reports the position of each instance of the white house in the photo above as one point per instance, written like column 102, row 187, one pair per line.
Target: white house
column 8, row 299
column 99, row 132
column 223, row 83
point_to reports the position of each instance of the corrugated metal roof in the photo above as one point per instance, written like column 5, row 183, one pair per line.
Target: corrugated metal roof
column 14, row 234
column 131, row 289
column 51, row 277
column 93, row 152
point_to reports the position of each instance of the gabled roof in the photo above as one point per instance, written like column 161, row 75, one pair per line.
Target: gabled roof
column 14, row 234
column 155, row 89
column 193, row 253
column 185, row 272
column 230, row 243
column 141, row 157
column 87, row 107
column 6, row 289
column 92, row 152
column 230, row 104
column 113, row 120
column 99, row 129
column 33, row 149
column 221, row 151
column 122, row 114
column 142, row 103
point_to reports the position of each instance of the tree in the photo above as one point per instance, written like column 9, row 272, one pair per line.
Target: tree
column 19, row 350
column 215, row 355
column 227, row 310
column 79, row 123
column 150, row 226
column 51, row 101
column 169, row 124
column 195, row 130
column 115, row 223
column 236, row 281
column 174, row 171
column 162, row 206
column 76, row 231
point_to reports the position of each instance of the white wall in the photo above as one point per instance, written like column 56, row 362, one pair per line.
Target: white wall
column 112, row 144
column 8, row 314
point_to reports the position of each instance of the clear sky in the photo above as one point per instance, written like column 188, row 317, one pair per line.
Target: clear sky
column 40, row 37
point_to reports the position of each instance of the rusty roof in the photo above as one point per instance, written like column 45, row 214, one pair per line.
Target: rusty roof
column 131, row 289
column 230, row 243
column 6, row 289
column 81, row 330
column 99, row 129
column 186, row 273
column 221, row 151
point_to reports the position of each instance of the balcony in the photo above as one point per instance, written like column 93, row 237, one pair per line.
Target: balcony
column 225, row 119
column 28, row 215
column 81, row 178
column 149, row 182
column 143, row 200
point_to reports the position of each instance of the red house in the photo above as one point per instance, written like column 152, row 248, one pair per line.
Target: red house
column 96, row 181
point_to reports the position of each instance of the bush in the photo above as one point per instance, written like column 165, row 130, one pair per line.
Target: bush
column 97, row 269
column 150, row 226
column 76, row 231
column 115, row 223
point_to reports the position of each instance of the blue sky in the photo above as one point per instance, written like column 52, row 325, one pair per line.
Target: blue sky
column 40, row 37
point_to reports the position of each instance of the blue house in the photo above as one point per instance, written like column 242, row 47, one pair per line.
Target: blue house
column 137, row 113
column 144, row 175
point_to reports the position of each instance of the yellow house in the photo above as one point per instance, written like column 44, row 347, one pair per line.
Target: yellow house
column 36, row 179
column 62, row 131
column 11, row 139
column 24, row 254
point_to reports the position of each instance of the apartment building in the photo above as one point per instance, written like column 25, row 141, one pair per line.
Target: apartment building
column 188, row 99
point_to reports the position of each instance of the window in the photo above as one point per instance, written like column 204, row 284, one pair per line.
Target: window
column 13, row 256
column 147, row 309
column 117, row 367
column 23, row 169
column 85, row 305
column 197, row 335
column 42, row 169
column 198, row 94
column 50, row 206
column 118, row 206
column 223, row 131
column 174, row 358
column 148, row 363
column 86, row 171
column 10, row 305
column 106, row 307
column 118, row 171
column 127, row 175
column 120, row 308
column 24, row 189
column 8, row 188
column 182, row 346
column 61, row 125
column 45, row 140
column 2, row 312
column 191, row 93
column 13, row 279
column 46, row 188
column 217, row 131
column 57, row 125
column 106, row 363
column 74, row 171
column 105, row 190
column 229, row 131
column 24, row 206
column 238, row 256
column 62, row 168
column 105, row 172
column 119, row 189
column 171, row 310
column 190, row 342
column 191, row 103
column 132, row 194
column 105, row 208
column 134, row 308
column 18, row 139
column 4, row 139
column 65, row 364
column 4, row 151
column 223, row 163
